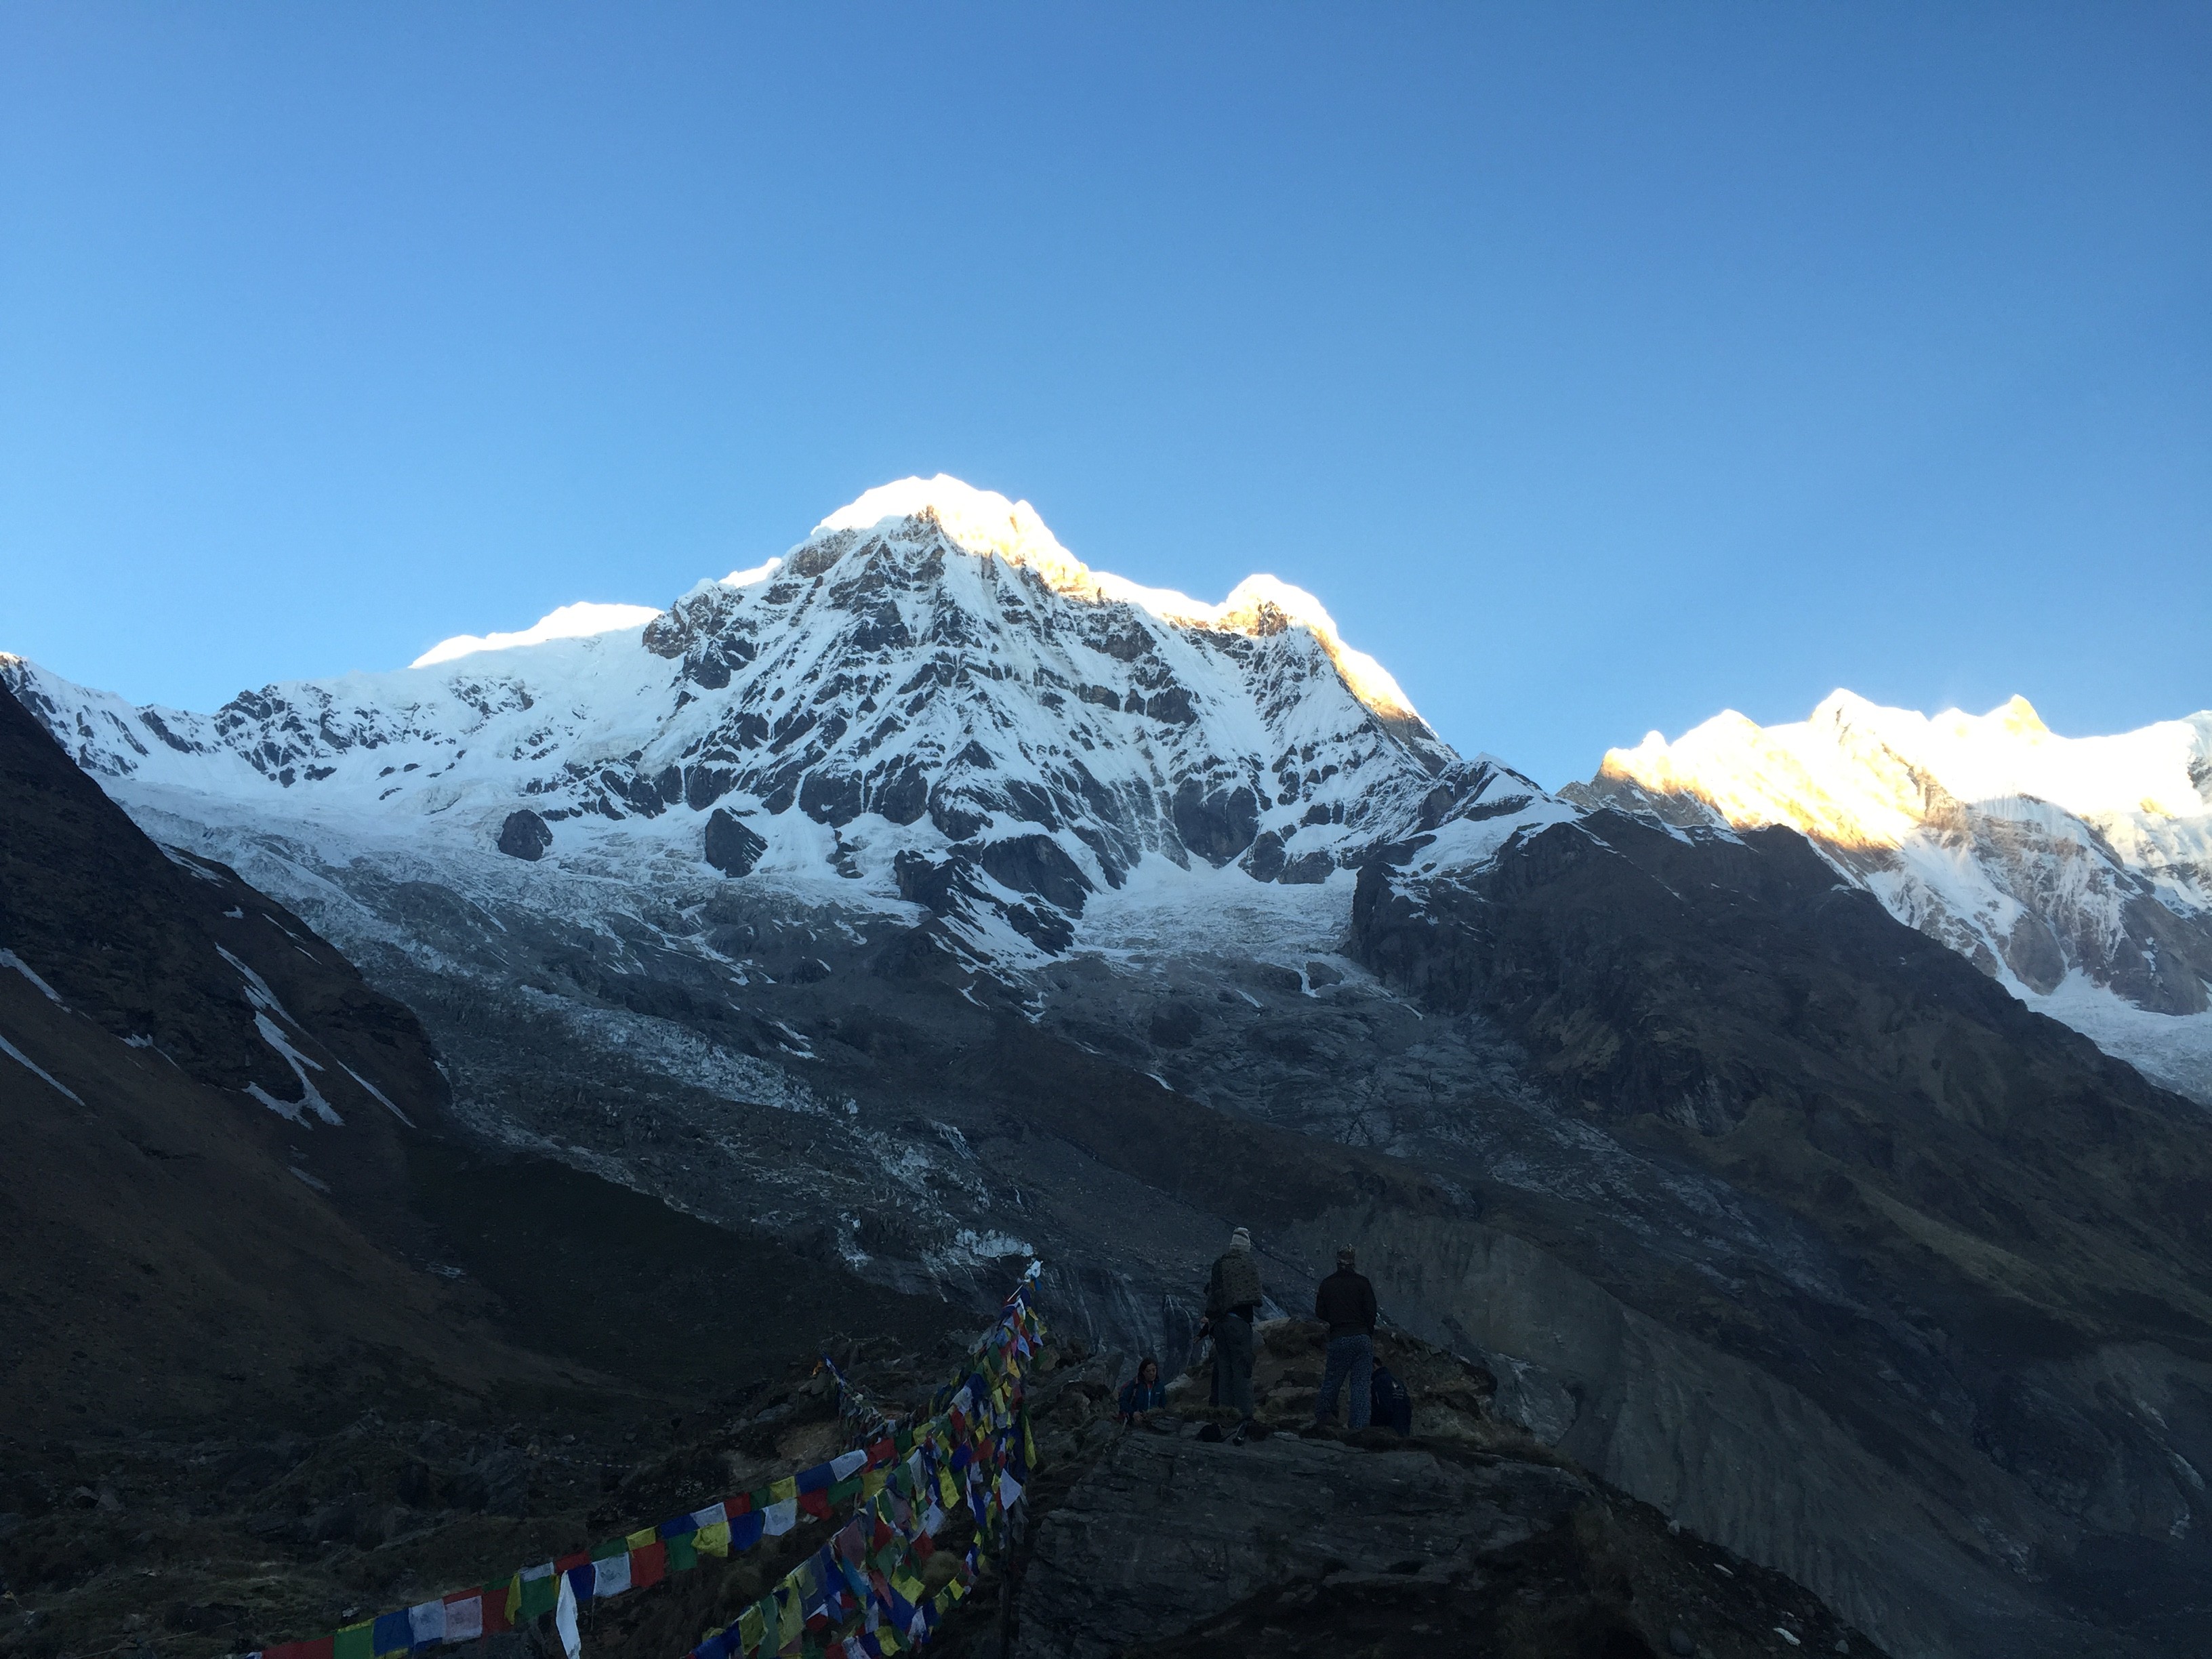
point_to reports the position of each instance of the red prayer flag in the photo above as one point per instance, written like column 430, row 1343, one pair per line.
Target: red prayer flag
column 317, row 1649
column 568, row 1562
column 648, row 1565
column 495, row 1607
column 816, row 1503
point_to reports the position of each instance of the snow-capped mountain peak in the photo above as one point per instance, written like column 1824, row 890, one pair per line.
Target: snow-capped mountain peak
column 980, row 521
column 985, row 523
column 2077, row 870
column 929, row 699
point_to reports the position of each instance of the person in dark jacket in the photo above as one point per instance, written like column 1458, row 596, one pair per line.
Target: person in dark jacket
column 1232, row 1302
column 1345, row 1303
column 1393, row 1406
column 1145, row 1392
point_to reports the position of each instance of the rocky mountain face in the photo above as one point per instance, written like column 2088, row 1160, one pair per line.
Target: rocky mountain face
column 923, row 899
column 2076, row 871
column 273, row 1338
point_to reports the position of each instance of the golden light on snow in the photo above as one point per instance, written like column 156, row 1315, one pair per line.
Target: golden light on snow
column 1856, row 774
column 570, row 622
column 989, row 526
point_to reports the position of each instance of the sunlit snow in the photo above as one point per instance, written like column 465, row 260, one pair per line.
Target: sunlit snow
column 570, row 622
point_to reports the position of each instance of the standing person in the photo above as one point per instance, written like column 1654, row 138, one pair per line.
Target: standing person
column 1146, row 1393
column 1232, row 1301
column 1345, row 1303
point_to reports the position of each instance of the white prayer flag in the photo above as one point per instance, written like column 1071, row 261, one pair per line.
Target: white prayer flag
column 426, row 1623
column 564, row 1621
column 464, row 1618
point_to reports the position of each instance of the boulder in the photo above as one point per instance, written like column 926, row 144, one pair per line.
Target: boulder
column 525, row 836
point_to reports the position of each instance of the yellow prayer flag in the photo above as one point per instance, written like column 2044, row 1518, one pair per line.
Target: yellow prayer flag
column 778, row 1490
column 641, row 1538
column 794, row 1619
column 712, row 1541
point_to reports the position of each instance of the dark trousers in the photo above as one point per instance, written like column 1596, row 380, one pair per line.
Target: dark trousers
column 1351, row 1359
column 1232, row 1363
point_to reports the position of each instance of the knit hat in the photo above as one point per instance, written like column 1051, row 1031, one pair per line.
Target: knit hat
column 1344, row 1257
column 1240, row 1239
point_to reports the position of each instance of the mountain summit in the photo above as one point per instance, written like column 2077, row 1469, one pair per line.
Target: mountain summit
column 921, row 899
column 961, row 713
column 2077, row 871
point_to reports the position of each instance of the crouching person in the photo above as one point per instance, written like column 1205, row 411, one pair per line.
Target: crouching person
column 1144, row 1393
column 1345, row 1303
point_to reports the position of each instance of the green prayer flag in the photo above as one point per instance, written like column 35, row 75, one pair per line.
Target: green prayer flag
column 682, row 1557
column 844, row 1489
column 539, row 1595
column 352, row 1642
column 609, row 1549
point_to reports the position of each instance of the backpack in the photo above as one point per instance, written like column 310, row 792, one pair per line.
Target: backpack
column 1390, row 1406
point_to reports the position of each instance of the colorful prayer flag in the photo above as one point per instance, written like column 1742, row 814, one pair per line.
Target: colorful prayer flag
column 464, row 1616
column 391, row 1633
column 540, row 1593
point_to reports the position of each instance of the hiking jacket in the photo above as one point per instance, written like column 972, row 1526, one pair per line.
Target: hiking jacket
column 1136, row 1397
column 1345, row 1303
column 1234, row 1285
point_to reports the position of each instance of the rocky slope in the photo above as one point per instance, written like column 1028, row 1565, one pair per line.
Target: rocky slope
column 2076, row 871
column 1468, row 1537
column 258, row 1307
column 883, row 908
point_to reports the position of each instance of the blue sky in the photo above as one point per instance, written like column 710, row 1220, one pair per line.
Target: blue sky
column 1599, row 367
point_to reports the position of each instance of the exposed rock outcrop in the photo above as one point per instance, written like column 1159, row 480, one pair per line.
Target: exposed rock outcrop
column 525, row 836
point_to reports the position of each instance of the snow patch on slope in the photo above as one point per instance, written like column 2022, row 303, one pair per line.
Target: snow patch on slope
column 570, row 622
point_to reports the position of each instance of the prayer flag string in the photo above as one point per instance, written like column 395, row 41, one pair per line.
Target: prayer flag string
column 860, row 1595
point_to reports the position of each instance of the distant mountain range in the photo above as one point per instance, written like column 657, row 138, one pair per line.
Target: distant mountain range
column 2077, row 871
column 922, row 897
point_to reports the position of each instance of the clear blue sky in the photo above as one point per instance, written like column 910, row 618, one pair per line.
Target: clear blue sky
column 1600, row 367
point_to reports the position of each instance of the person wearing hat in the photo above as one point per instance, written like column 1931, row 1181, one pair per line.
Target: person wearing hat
column 1345, row 1303
column 1232, row 1301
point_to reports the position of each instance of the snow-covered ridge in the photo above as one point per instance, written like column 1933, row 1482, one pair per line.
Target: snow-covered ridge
column 987, row 524
column 2077, row 870
column 1856, row 774
column 930, row 699
column 569, row 621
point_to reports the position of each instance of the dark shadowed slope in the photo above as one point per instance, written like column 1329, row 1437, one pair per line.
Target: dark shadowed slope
column 1992, row 1269
column 326, row 1340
